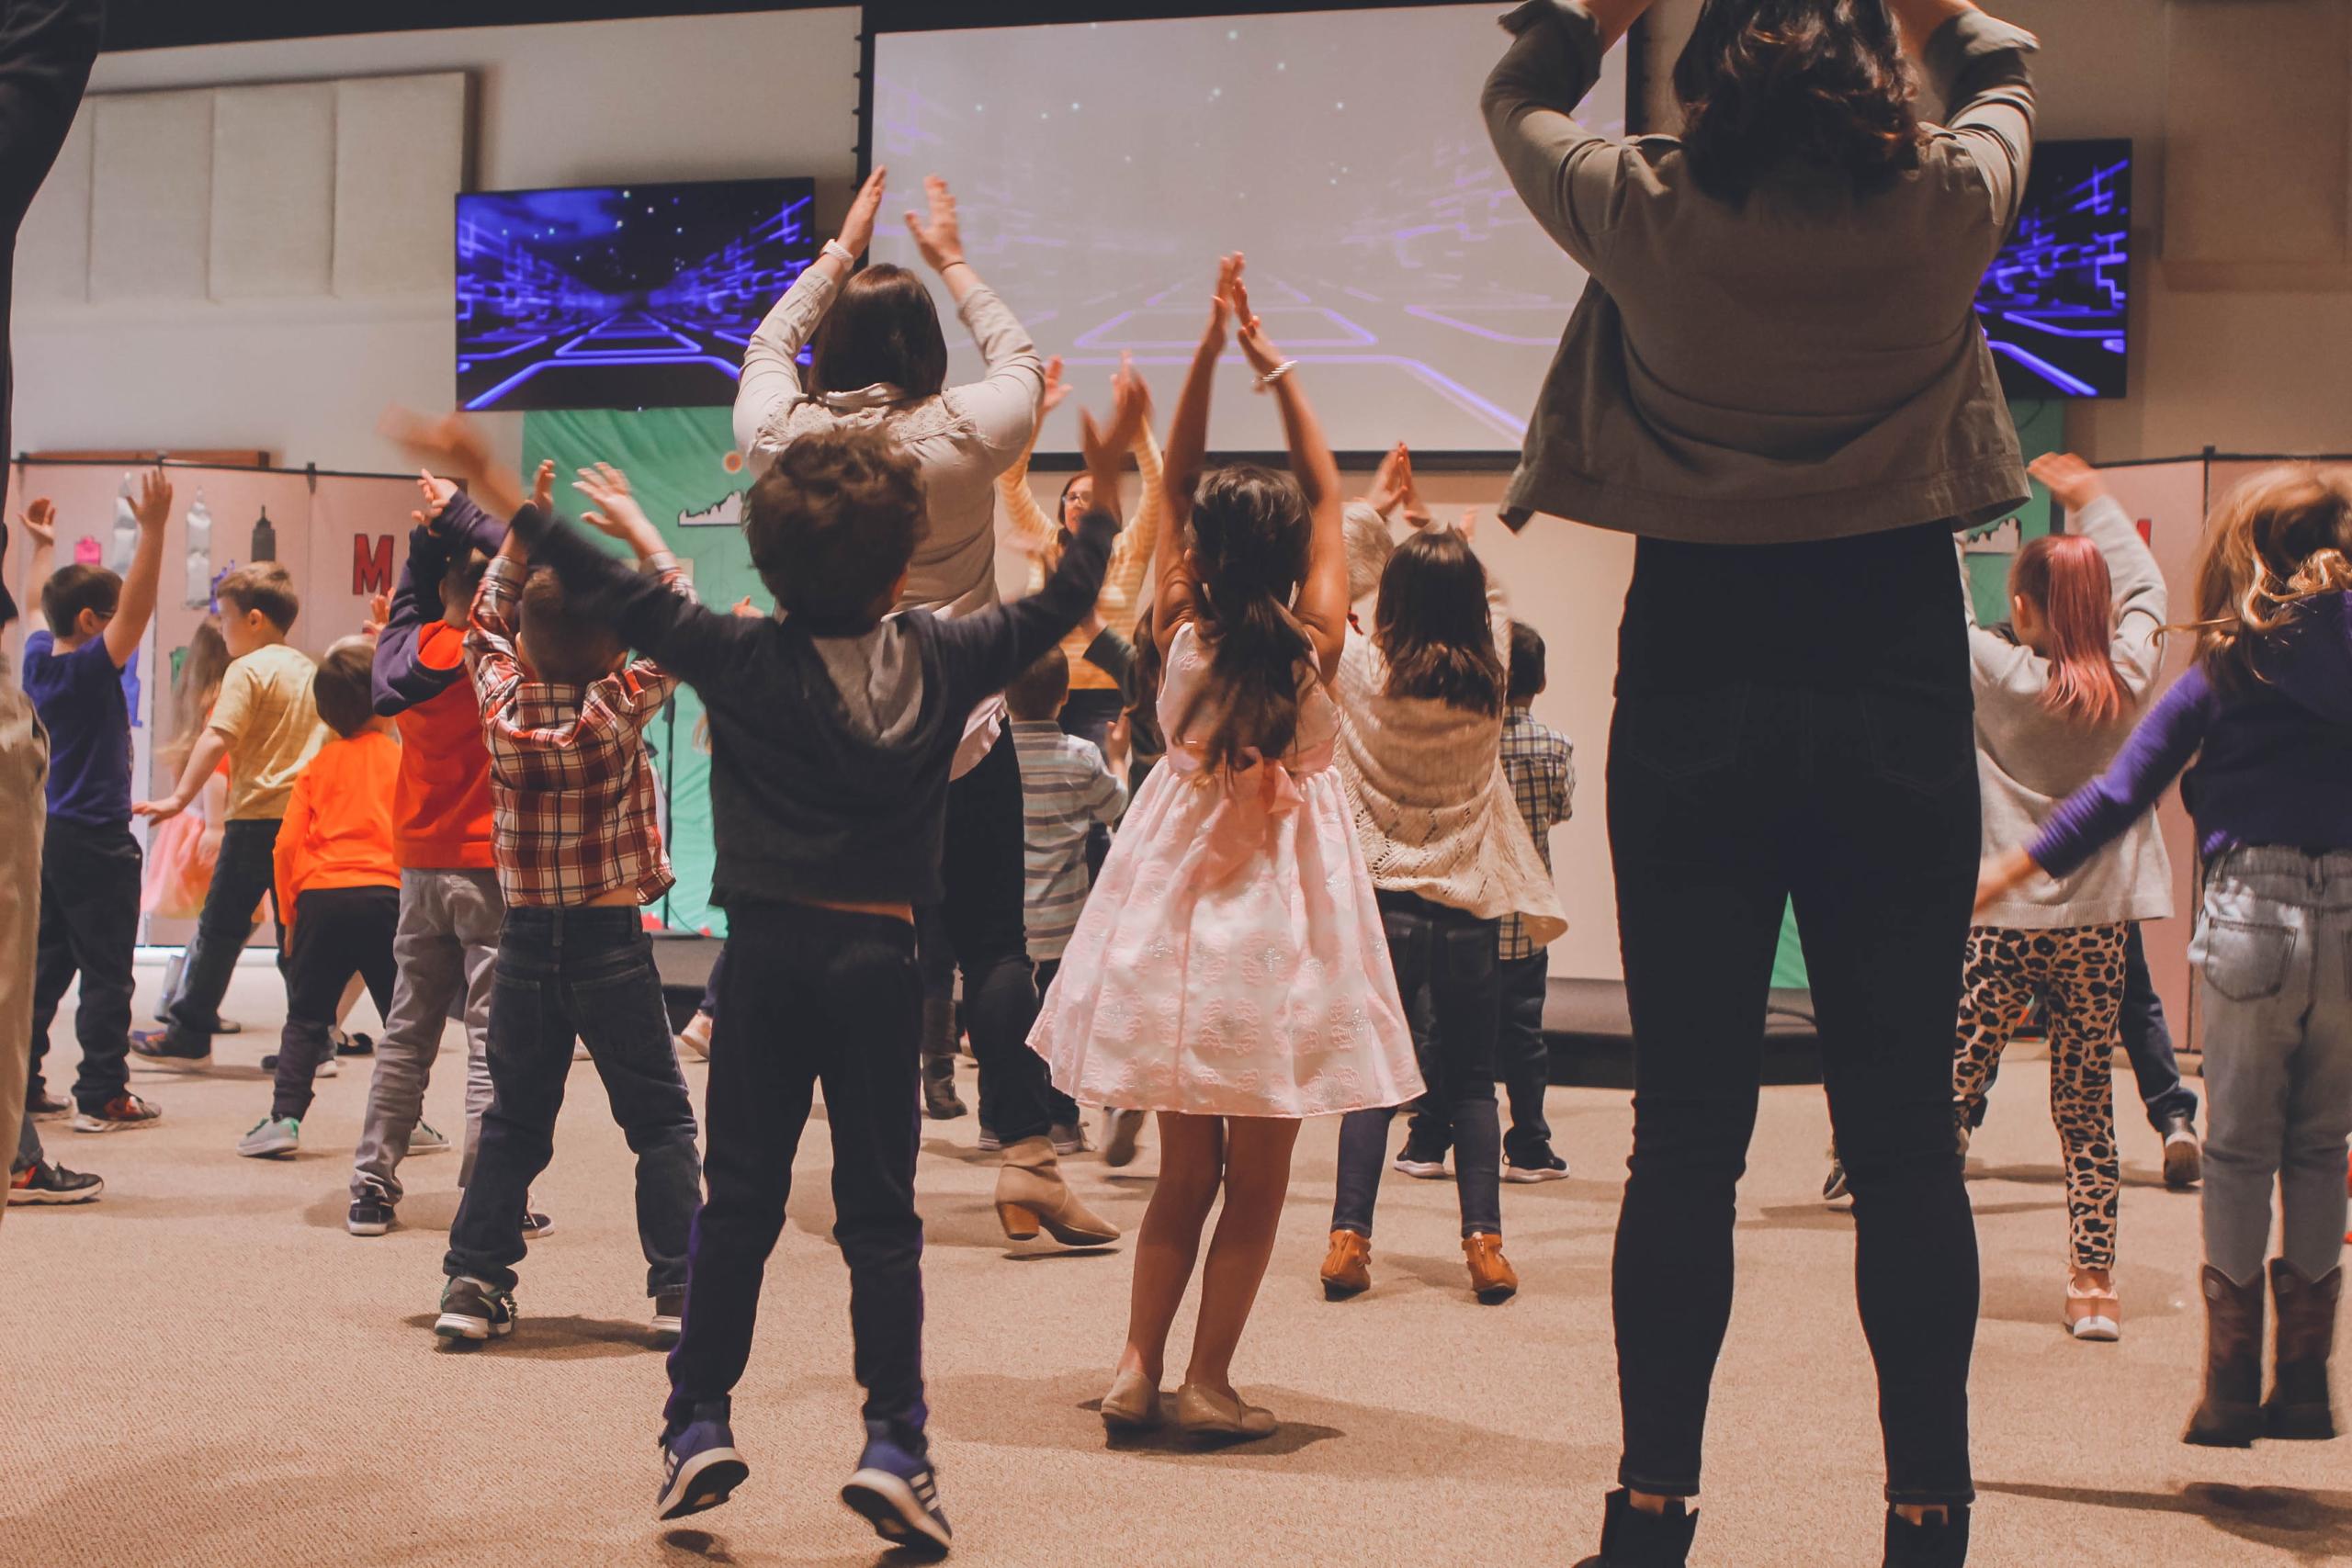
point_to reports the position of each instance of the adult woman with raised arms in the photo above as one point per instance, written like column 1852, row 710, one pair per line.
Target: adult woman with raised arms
column 878, row 359
column 1778, row 383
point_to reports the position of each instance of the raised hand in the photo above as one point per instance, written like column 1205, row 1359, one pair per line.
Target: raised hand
column 938, row 236
column 616, row 514
column 1388, row 481
column 1056, row 390
column 39, row 518
column 2074, row 483
column 857, row 227
column 1106, row 446
column 1228, row 268
column 153, row 506
column 379, row 610
column 449, row 442
column 1260, row 350
column 1416, row 511
column 436, row 492
column 543, row 486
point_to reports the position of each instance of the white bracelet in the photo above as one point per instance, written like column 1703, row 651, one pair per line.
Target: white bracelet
column 1276, row 374
column 835, row 248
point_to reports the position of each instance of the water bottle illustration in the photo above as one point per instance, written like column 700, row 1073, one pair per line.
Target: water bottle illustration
column 264, row 537
column 126, row 531
column 200, row 554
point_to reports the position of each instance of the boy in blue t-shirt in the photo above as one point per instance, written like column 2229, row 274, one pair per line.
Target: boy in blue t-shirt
column 90, row 863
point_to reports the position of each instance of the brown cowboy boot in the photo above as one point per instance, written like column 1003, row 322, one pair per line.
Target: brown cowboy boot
column 2299, row 1405
column 2230, row 1416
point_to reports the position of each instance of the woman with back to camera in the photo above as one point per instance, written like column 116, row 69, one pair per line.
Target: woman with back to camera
column 1779, row 383
column 878, row 359
column 2057, row 692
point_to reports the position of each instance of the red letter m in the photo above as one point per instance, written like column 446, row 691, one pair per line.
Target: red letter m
column 371, row 565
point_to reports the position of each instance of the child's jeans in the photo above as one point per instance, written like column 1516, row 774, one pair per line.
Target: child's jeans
column 587, row 975
column 444, row 949
column 89, row 925
column 338, row 933
column 812, row 996
column 2275, row 952
column 245, row 873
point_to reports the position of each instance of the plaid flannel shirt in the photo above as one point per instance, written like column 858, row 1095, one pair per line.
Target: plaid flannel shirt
column 1541, row 764
column 575, row 812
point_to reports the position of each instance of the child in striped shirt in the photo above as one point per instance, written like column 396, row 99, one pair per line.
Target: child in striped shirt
column 1066, row 786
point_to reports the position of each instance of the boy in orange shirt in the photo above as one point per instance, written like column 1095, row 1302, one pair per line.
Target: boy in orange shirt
column 338, row 889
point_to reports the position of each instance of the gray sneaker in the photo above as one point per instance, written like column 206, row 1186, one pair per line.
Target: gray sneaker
column 424, row 1139
column 273, row 1137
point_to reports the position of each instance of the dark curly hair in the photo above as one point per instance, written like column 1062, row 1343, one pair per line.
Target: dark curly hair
column 1822, row 82
column 1249, row 533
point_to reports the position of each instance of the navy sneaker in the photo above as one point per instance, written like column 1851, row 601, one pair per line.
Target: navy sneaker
column 895, row 1492
column 158, row 1046
column 474, row 1309
column 699, row 1465
column 369, row 1216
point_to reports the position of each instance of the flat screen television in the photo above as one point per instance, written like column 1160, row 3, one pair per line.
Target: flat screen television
column 621, row 297
column 2055, row 302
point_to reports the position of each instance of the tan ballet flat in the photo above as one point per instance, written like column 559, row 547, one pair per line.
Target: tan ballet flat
column 1133, row 1403
column 1204, row 1413
column 1031, row 1193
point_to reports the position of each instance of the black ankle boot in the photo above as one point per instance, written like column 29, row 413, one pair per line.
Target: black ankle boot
column 2299, row 1405
column 1934, row 1544
column 2229, row 1414
column 1631, row 1538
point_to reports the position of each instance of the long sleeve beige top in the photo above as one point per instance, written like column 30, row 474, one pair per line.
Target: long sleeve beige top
column 1803, row 364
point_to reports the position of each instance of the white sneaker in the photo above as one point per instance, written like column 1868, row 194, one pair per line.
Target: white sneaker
column 693, row 1039
column 2184, row 1156
column 426, row 1139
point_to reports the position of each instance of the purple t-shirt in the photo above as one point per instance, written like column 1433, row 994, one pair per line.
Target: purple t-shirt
column 80, row 700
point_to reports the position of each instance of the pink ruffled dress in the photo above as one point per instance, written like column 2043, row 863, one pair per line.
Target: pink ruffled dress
column 1231, row 960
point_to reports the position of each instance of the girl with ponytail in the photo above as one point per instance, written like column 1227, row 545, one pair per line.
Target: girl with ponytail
column 1229, row 970
column 2057, row 692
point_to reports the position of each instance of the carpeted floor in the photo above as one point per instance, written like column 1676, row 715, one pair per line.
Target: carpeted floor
column 204, row 1369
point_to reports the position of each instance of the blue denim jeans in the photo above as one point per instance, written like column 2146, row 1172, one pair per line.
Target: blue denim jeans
column 2274, row 954
column 586, row 974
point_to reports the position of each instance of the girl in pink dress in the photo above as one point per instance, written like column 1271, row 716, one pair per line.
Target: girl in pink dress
column 1230, row 970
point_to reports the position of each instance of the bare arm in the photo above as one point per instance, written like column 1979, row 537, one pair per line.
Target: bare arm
column 203, row 762
column 1188, row 438
column 1322, row 605
column 136, row 608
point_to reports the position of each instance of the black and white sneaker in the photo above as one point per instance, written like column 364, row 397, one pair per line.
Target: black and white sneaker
column 1422, row 1164
column 325, row 1069
column 1547, row 1167
column 536, row 1222
column 474, row 1309
column 43, row 1106
column 700, row 1464
column 42, row 1182
column 897, row 1494
column 669, row 1317
column 370, row 1216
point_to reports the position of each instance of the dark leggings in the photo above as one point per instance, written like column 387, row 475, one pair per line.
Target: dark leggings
column 984, row 867
column 1849, row 784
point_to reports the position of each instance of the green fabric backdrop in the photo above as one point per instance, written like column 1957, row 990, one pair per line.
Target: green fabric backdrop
column 683, row 465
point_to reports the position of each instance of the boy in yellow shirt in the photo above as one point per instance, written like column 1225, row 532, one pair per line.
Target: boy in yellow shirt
column 267, row 724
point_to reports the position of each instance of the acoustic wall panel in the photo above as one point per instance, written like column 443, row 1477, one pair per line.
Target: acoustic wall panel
column 273, row 191
column 151, row 197
column 2258, row 134
column 53, row 248
column 399, row 160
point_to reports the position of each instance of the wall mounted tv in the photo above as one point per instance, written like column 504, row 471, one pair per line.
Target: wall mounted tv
column 621, row 297
column 2053, row 303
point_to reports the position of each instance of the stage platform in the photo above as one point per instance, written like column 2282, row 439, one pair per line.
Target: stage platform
column 1590, row 1032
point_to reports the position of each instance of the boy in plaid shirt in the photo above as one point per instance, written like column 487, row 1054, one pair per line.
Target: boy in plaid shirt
column 577, row 843
column 1541, row 764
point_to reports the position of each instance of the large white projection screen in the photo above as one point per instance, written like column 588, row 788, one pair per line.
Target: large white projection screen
column 1100, row 168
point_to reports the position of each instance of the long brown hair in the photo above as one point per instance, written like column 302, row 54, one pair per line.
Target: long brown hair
column 1433, row 625
column 196, row 686
column 1249, row 532
column 884, row 327
column 2065, row 578
column 1822, row 82
column 2280, row 538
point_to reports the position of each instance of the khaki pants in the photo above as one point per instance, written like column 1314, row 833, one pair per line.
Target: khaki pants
column 24, row 813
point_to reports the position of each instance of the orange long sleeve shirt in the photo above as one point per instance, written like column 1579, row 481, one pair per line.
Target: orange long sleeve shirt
column 338, row 827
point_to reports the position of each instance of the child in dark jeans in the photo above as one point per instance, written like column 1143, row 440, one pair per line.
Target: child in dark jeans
column 577, row 839
column 267, row 725
column 337, row 888
column 833, row 726
column 90, row 863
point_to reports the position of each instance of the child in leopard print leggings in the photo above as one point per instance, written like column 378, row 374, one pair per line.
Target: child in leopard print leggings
column 2058, row 689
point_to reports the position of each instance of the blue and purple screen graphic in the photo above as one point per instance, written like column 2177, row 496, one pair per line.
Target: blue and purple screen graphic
column 1101, row 168
column 2053, row 304
column 621, row 297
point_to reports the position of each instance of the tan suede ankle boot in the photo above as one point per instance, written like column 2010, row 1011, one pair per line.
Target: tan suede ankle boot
column 1030, row 1192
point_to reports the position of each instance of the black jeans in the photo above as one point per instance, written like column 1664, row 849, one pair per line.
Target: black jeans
column 245, row 873
column 820, row 995
column 2147, row 1040
column 586, row 974
column 1522, row 1066
column 89, row 923
column 338, row 933
column 1451, row 955
column 1795, row 722
column 711, row 988
column 984, row 864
